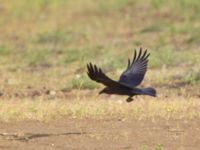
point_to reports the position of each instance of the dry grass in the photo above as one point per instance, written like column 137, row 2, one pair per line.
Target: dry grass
column 97, row 108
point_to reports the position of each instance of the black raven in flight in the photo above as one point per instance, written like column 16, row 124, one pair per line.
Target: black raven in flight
column 129, row 79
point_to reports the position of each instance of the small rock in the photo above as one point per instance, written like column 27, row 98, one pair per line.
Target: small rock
column 51, row 92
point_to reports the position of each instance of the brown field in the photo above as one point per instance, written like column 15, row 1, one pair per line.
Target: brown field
column 86, row 134
column 48, row 102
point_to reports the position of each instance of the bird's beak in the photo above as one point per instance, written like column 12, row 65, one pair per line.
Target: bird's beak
column 100, row 92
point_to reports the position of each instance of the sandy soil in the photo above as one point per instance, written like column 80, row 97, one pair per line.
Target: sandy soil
column 107, row 134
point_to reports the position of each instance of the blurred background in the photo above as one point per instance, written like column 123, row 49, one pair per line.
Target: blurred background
column 47, row 43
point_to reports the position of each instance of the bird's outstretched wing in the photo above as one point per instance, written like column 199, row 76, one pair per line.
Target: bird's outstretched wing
column 135, row 72
column 97, row 75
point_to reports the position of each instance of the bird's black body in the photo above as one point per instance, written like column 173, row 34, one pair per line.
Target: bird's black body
column 130, row 78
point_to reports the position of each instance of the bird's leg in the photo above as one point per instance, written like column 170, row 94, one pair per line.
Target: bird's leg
column 129, row 99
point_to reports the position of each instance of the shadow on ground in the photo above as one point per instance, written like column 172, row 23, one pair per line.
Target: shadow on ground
column 30, row 136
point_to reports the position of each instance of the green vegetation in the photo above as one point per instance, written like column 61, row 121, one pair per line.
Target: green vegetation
column 193, row 78
column 67, row 33
column 157, row 147
column 5, row 50
column 82, row 82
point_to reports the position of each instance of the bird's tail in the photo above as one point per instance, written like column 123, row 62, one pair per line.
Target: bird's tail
column 149, row 91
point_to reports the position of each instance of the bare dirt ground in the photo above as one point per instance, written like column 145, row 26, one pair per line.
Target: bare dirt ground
column 107, row 134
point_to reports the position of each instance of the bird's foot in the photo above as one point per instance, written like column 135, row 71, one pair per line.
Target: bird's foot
column 129, row 99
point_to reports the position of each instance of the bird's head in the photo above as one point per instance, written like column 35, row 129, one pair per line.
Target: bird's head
column 106, row 90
